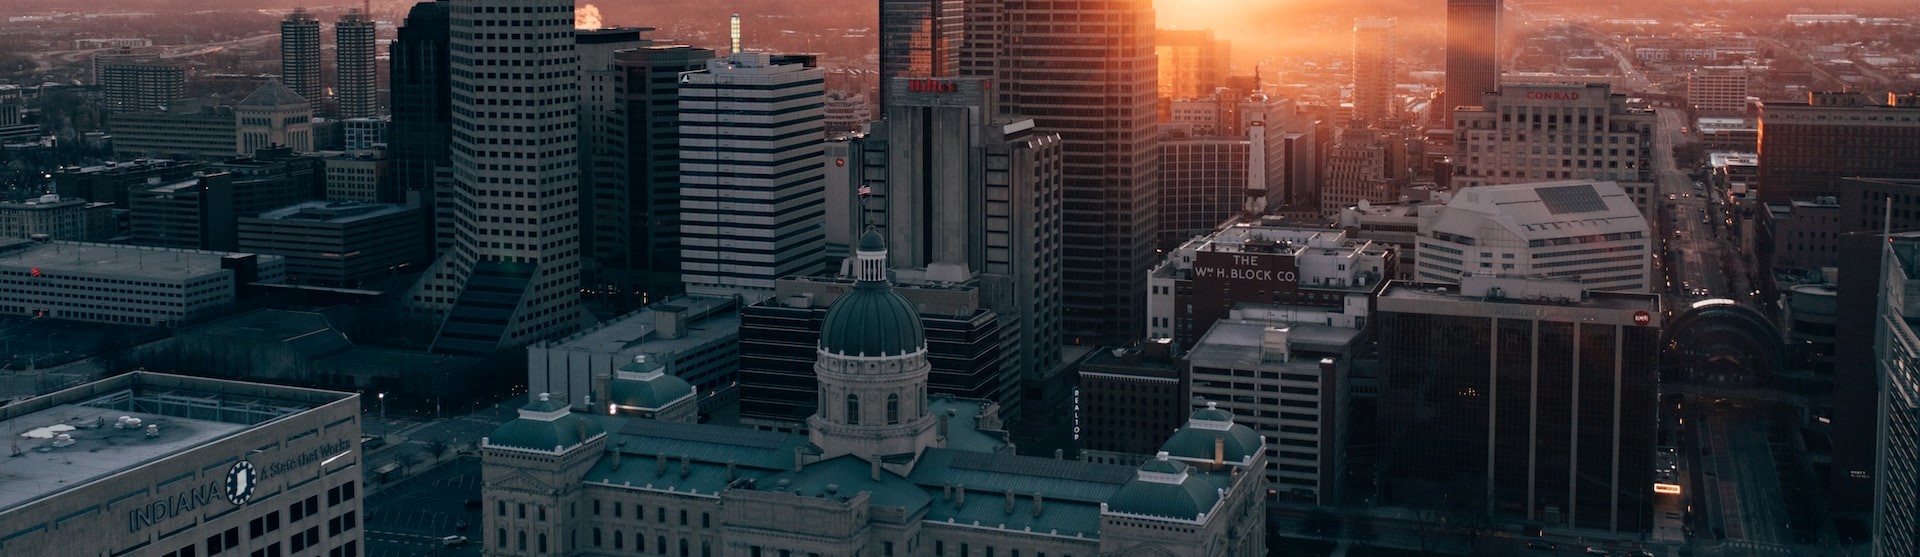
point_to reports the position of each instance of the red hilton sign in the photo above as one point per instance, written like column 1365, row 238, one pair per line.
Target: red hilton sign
column 931, row 86
column 1642, row 318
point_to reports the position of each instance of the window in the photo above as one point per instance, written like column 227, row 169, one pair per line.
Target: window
column 543, row 542
column 893, row 409
column 853, row 409
column 616, row 538
column 500, row 508
column 523, row 540
column 521, row 510
column 503, row 538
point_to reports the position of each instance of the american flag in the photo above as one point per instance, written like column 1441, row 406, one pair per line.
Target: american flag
column 866, row 191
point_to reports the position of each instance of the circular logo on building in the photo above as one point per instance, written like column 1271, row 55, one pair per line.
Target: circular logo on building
column 240, row 482
column 1642, row 318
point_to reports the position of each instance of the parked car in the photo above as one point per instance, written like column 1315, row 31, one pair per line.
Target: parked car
column 1542, row 545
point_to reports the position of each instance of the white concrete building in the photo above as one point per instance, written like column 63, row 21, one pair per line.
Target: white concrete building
column 109, row 283
column 512, row 275
column 1585, row 230
column 1538, row 133
column 752, row 202
column 1287, row 381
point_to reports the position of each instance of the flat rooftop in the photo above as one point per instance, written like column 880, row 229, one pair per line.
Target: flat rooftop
column 1594, row 299
column 334, row 212
column 632, row 334
column 186, row 412
column 1239, row 341
column 112, row 259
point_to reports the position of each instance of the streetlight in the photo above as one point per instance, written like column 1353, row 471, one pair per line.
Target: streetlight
column 383, row 416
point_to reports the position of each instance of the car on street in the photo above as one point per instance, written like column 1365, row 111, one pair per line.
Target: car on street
column 1542, row 545
column 1595, row 552
column 453, row 541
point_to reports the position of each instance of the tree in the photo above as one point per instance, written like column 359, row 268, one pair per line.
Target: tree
column 410, row 459
column 1320, row 524
column 439, row 446
column 1428, row 525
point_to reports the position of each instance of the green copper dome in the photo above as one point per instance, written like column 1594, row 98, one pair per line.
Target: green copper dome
column 872, row 320
column 544, row 425
column 1165, row 488
column 1210, row 425
column 644, row 384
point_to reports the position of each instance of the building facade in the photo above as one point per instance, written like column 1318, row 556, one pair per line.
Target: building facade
column 646, row 211
column 1373, row 69
column 1128, row 401
column 1807, row 148
column 185, row 466
column 363, row 176
column 1538, row 133
column 1896, row 485
column 512, row 275
column 300, row 58
column 1319, row 275
column 356, row 77
column 1585, row 231
column 273, row 116
column 140, row 87
column 1718, row 90
column 1501, row 396
column 335, row 243
column 54, row 218
column 885, row 469
column 1192, row 63
column 1289, row 382
column 694, row 338
column 751, row 197
column 973, row 349
column 1368, row 164
column 208, row 133
column 1473, row 53
column 1088, row 73
column 422, row 128
column 919, row 39
column 131, row 285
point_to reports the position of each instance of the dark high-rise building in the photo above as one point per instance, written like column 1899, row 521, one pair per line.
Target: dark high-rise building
column 919, row 38
column 422, row 126
column 1473, row 51
column 970, row 346
column 1088, row 73
column 139, row 87
column 353, row 62
column 1856, row 386
column 1807, row 148
column 605, row 151
column 1129, row 401
column 512, row 275
column 300, row 57
column 1532, row 399
column 649, row 202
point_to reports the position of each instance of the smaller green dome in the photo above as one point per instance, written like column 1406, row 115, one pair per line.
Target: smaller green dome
column 1164, row 488
column 1209, row 425
column 645, row 384
column 544, row 425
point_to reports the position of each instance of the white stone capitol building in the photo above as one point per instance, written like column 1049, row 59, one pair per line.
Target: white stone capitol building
column 885, row 471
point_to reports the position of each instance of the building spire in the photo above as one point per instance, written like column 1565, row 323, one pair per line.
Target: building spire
column 871, row 258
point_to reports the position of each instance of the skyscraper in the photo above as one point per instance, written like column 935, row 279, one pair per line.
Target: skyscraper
column 1373, row 75
column 1896, row 511
column 422, row 126
column 354, row 54
column 919, row 38
column 605, row 152
column 300, row 57
column 512, row 274
column 651, row 197
column 1601, row 136
column 1087, row 72
column 1473, row 51
column 752, row 205
column 1806, row 149
column 980, row 38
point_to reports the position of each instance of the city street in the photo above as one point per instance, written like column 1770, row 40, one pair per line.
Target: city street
column 410, row 518
column 1693, row 225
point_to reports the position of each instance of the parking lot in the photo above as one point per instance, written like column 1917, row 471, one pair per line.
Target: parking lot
column 408, row 519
